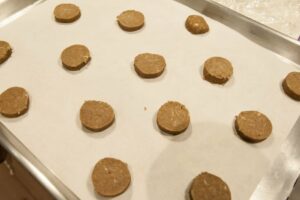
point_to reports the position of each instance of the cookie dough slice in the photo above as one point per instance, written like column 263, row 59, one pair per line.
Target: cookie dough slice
column 96, row 115
column 67, row 13
column 131, row 20
column 217, row 70
column 14, row 102
column 253, row 126
column 173, row 118
column 75, row 57
column 291, row 85
column 148, row 65
column 111, row 177
column 5, row 51
column 196, row 24
column 207, row 186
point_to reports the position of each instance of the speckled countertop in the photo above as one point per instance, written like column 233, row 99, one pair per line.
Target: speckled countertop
column 282, row 15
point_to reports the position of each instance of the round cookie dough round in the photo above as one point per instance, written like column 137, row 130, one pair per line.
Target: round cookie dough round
column 253, row 126
column 291, row 85
column 96, row 115
column 217, row 70
column 14, row 102
column 207, row 186
column 75, row 57
column 148, row 65
column 66, row 13
column 196, row 24
column 173, row 118
column 131, row 20
column 5, row 51
column 111, row 177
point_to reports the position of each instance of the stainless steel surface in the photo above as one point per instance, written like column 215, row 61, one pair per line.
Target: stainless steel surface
column 17, row 183
column 256, row 32
column 278, row 183
column 34, row 166
column 12, row 9
column 9, row 7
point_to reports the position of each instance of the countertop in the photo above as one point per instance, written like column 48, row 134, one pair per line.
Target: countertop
column 281, row 15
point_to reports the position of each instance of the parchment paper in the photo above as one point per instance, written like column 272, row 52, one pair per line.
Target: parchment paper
column 162, row 166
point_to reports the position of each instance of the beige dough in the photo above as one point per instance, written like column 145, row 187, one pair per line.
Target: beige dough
column 207, row 186
column 173, row 118
column 131, row 20
column 5, row 51
column 196, row 24
column 75, row 57
column 148, row 65
column 96, row 115
column 111, row 177
column 253, row 126
column 14, row 102
column 66, row 13
column 217, row 70
column 291, row 85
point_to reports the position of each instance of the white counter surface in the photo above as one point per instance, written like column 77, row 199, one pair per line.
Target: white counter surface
column 282, row 15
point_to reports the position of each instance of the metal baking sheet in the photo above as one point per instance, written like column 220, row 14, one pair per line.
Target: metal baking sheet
column 280, row 179
column 261, row 34
column 12, row 9
column 40, row 172
column 161, row 166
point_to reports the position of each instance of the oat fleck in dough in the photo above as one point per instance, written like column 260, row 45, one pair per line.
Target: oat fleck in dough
column 111, row 177
column 75, row 57
column 5, row 51
column 66, row 13
column 131, row 20
column 291, row 85
column 217, row 70
column 96, row 115
column 148, row 65
column 207, row 186
column 253, row 126
column 173, row 118
column 14, row 102
column 196, row 24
